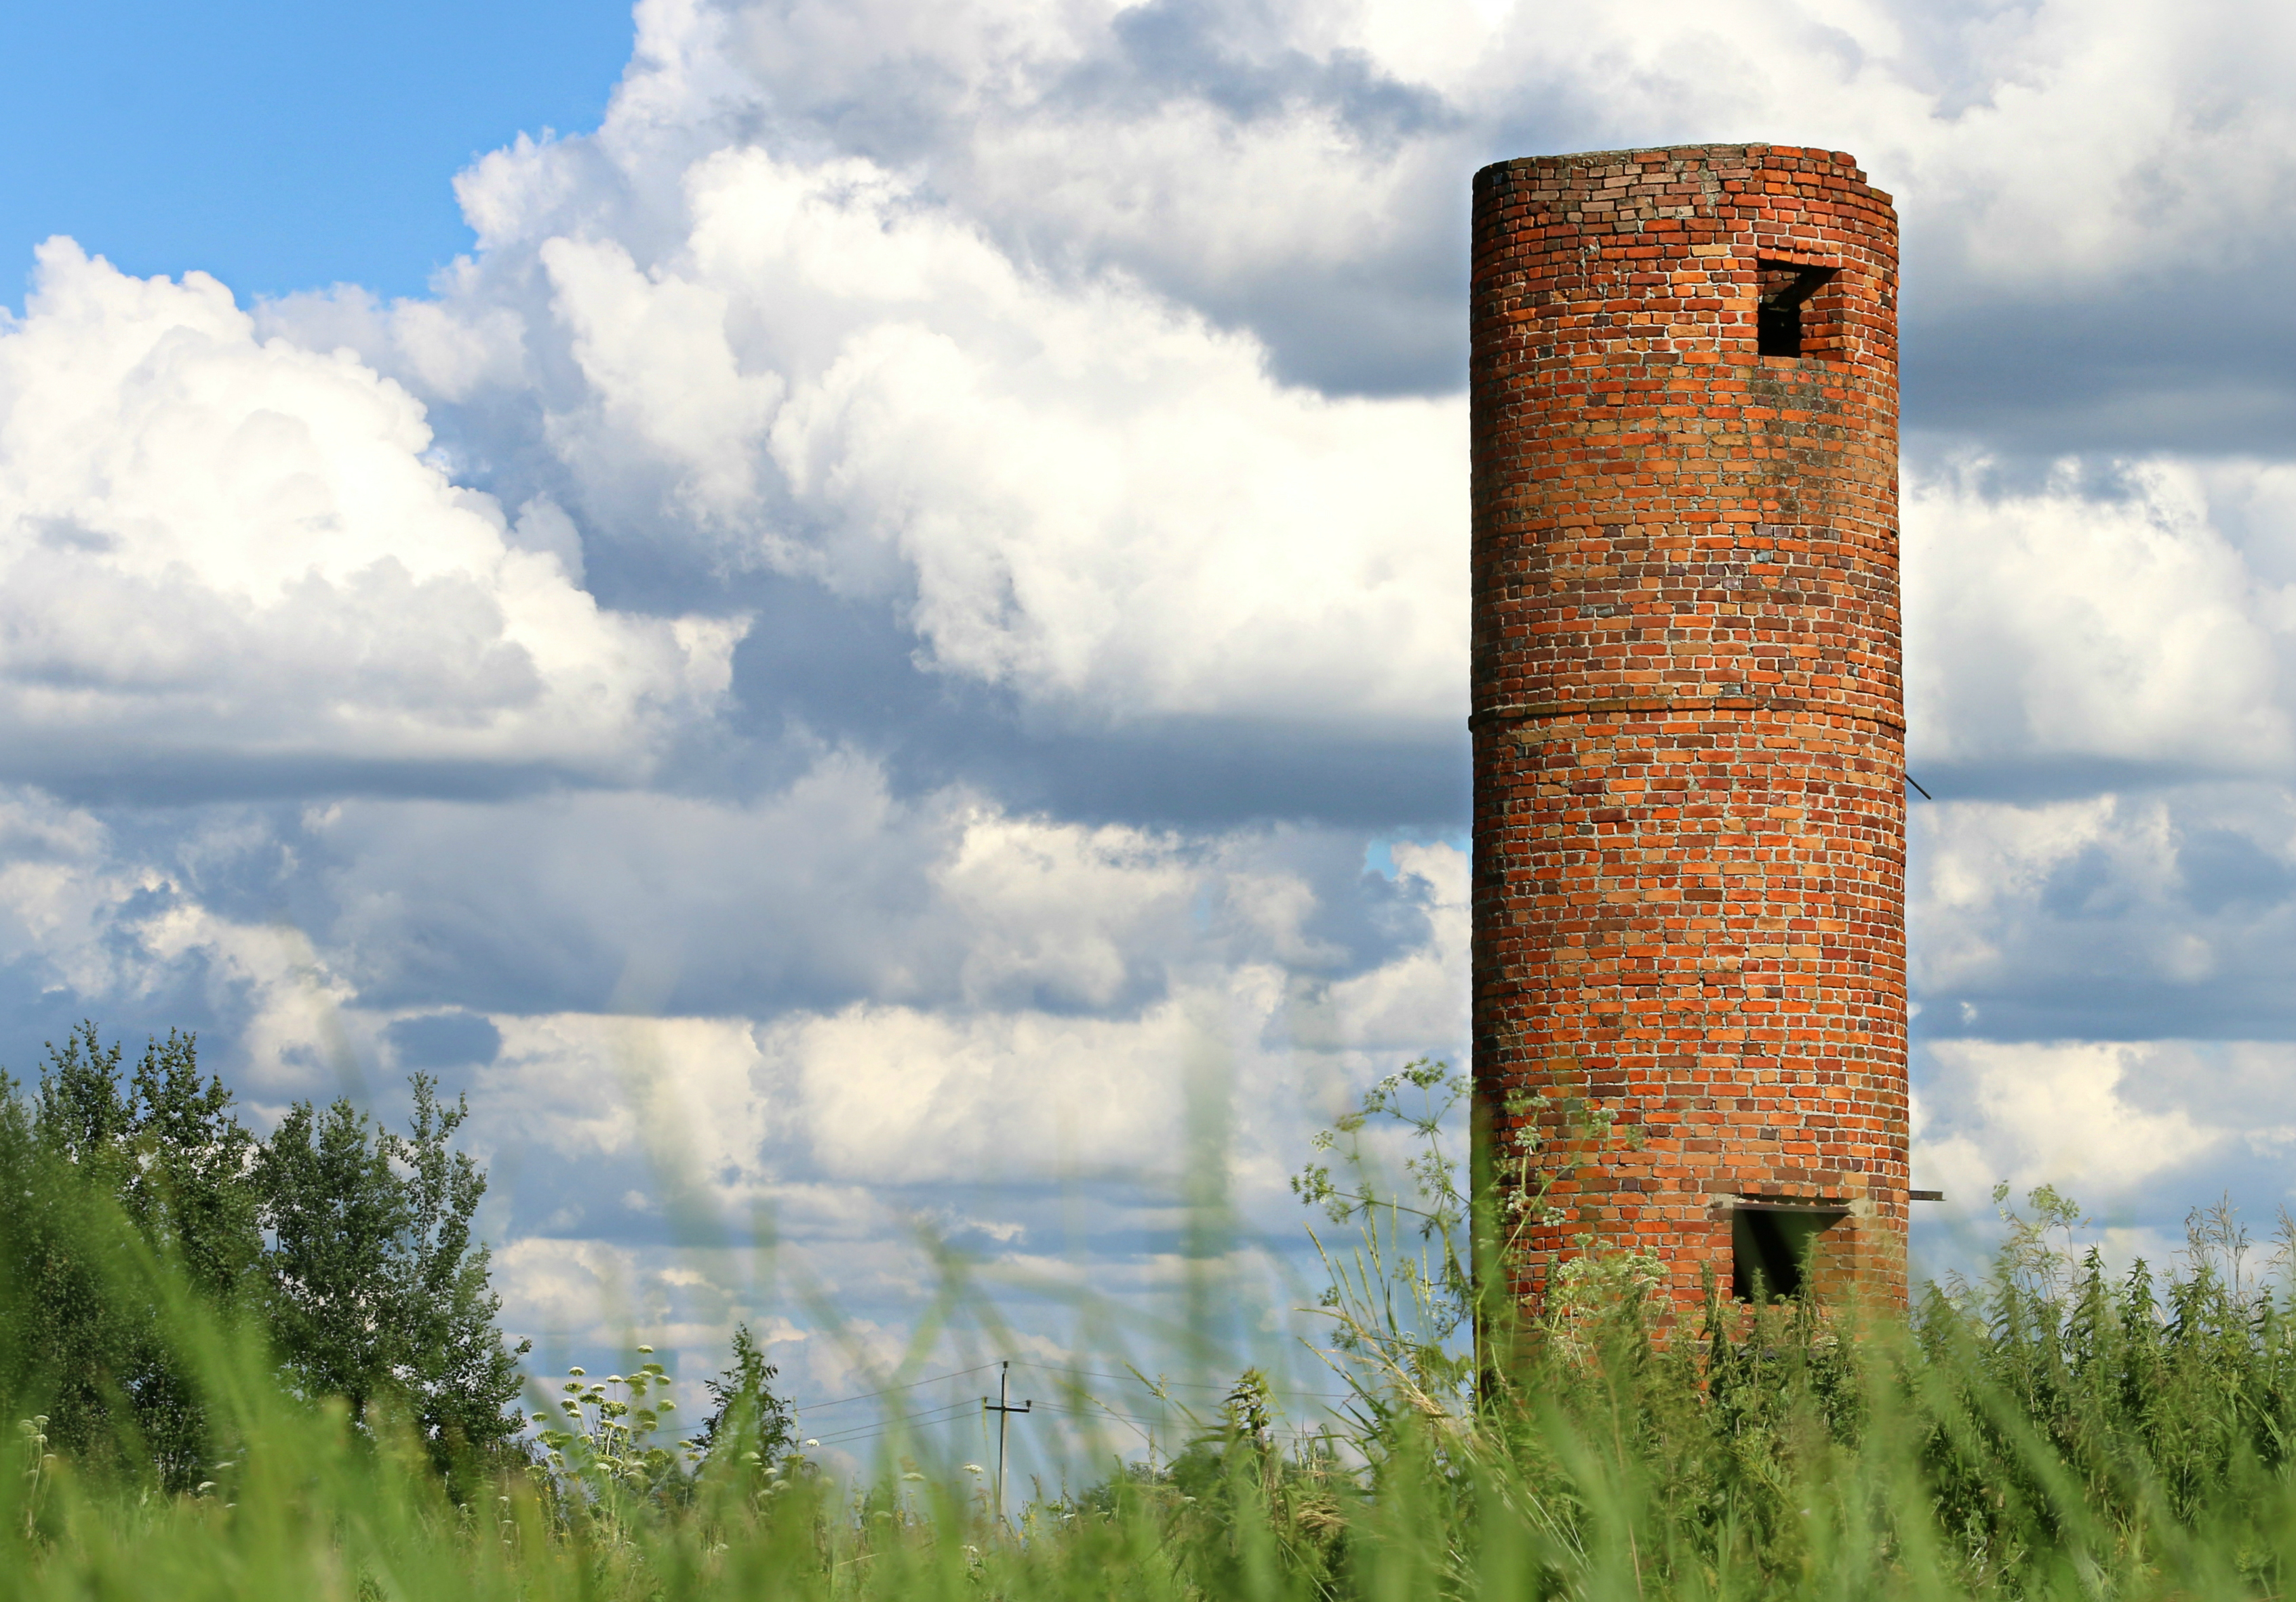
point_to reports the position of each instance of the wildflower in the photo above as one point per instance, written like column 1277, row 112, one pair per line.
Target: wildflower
column 577, row 1373
column 974, row 1468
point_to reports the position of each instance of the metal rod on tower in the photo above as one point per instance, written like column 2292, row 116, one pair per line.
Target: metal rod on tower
column 1004, row 1411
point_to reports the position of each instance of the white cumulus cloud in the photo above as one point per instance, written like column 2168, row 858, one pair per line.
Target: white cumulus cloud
column 219, row 550
column 2116, row 621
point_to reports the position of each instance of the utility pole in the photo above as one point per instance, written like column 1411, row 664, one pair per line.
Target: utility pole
column 1003, row 1409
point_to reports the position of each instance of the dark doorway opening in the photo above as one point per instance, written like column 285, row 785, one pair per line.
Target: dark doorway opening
column 1785, row 286
column 1773, row 1245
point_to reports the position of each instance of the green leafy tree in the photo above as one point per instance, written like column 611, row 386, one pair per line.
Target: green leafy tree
column 380, row 1290
column 165, row 1143
column 336, row 1211
column 91, row 1157
column 751, row 1421
column 455, row 1367
column 373, row 1286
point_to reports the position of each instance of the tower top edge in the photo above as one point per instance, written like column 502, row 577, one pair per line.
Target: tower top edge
column 1757, row 153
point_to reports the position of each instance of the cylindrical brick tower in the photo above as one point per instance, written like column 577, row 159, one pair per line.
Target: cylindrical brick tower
column 1688, row 722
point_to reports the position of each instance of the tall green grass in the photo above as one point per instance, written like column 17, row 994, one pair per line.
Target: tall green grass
column 2052, row 1429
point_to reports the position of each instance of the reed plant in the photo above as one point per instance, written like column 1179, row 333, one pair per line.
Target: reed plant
column 2054, row 1428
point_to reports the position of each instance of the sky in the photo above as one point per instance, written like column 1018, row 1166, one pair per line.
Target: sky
column 854, row 618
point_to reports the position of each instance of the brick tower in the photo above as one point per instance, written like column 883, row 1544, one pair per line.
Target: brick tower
column 1689, row 732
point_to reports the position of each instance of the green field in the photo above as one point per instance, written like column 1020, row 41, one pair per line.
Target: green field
column 2054, row 1429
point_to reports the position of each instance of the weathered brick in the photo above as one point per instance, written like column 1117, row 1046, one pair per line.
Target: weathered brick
column 1688, row 715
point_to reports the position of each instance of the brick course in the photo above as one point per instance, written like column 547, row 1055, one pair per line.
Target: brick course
column 1687, row 714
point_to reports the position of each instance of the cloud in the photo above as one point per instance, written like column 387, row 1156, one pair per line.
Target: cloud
column 1076, row 490
column 2050, row 1114
column 2100, row 616
column 1299, row 170
column 982, row 312
column 224, row 561
column 443, row 1040
column 2111, row 918
column 2139, row 1132
column 57, row 885
column 903, row 1101
column 585, row 955
column 830, row 890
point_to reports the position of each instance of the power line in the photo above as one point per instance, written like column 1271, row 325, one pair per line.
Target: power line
column 816, row 1407
column 938, row 1415
column 1140, row 1426
column 1300, row 1430
column 1183, row 1384
column 1099, row 1410
column 879, row 1426
column 952, row 1412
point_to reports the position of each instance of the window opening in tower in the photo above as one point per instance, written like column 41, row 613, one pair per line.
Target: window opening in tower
column 1785, row 286
column 1771, row 1247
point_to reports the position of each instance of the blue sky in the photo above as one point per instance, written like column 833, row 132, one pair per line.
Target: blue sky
column 877, row 630
column 280, row 146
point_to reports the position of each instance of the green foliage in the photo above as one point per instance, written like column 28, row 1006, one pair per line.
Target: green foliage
column 1245, row 1511
column 96, row 1169
column 1422, row 1281
column 2054, row 1423
column 601, row 1458
column 377, row 1288
column 2055, row 1429
column 129, row 1189
column 751, row 1431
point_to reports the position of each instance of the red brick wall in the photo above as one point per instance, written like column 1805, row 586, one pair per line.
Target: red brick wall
column 1688, row 722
